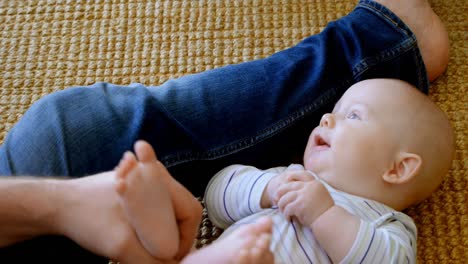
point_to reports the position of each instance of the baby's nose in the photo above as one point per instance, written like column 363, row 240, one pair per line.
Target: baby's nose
column 327, row 120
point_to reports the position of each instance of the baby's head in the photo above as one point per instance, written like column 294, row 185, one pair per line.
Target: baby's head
column 385, row 141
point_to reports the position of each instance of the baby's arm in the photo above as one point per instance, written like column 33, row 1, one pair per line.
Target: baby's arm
column 336, row 230
column 235, row 192
column 310, row 202
column 389, row 239
column 345, row 237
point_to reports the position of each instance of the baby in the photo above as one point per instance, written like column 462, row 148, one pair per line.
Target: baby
column 384, row 147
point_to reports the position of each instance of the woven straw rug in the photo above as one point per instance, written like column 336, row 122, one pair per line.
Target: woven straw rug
column 49, row 45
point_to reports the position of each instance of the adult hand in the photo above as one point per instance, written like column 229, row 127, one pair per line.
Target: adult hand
column 304, row 200
column 91, row 215
column 187, row 209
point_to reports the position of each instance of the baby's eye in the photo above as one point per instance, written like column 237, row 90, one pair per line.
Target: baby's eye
column 353, row 115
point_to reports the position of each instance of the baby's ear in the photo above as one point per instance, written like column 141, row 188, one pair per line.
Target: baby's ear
column 406, row 167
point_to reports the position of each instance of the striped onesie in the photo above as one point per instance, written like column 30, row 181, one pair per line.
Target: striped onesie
column 385, row 236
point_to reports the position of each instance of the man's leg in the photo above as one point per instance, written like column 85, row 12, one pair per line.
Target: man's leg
column 238, row 109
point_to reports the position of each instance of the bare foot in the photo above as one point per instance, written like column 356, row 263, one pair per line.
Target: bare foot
column 430, row 32
column 147, row 204
column 249, row 244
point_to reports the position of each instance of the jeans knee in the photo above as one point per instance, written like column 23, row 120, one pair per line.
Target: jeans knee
column 38, row 143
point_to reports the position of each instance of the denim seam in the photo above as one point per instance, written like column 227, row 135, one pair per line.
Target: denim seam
column 392, row 18
column 274, row 129
column 386, row 55
column 264, row 134
column 382, row 13
column 392, row 53
column 239, row 145
column 63, row 138
column 8, row 161
column 423, row 80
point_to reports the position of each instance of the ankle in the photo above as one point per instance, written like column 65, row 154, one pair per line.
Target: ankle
column 430, row 32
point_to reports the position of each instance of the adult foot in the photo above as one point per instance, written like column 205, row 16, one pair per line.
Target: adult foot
column 249, row 244
column 430, row 32
column 147, row 204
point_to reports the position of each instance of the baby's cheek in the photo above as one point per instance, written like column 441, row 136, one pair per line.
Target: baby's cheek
column 347, row 161
column 307, row 163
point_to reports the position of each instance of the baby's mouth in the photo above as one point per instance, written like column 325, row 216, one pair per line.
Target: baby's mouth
column 321, row 143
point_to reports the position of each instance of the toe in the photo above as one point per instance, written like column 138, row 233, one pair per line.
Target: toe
column 256, row 255
column 120, row 186
column 145, row 152
column 262, row 246
column 249, row 230
column 264, row 242
column 127, row 163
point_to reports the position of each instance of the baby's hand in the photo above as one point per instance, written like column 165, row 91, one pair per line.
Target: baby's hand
column 305, row 200
column 270, row 197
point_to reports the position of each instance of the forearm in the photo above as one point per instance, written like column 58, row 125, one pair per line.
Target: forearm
column 336, row 230
column 28, row 208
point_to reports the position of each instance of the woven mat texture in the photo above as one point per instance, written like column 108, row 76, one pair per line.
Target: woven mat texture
column 49, row 45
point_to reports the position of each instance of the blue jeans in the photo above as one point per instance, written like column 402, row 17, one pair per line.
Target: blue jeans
column 258, row 113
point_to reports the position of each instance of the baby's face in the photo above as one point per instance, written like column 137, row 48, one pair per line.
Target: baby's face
column 356, row 143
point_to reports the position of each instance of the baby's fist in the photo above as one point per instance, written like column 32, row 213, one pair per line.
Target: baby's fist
column 286, row 177
column 305, row 200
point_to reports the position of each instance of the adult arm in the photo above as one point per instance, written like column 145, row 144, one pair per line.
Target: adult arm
column 86, row 210
column 28, row 208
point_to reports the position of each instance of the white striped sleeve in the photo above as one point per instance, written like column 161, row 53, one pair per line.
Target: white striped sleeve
column 234, row 193
column 389, row 239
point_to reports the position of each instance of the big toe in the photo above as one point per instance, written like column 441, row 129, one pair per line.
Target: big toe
column 145, row 152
